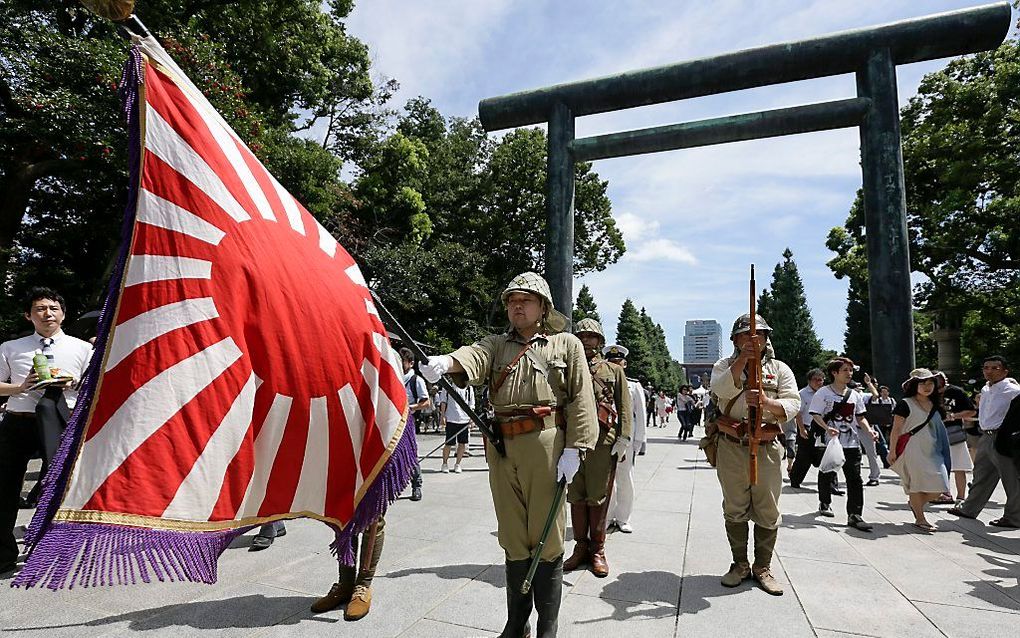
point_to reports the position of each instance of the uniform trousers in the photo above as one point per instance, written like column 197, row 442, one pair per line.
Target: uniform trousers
column 742, row 501
column 989, row 468
column 19, row 442
column 591, row 483
column 621, row 503
column 523, row 485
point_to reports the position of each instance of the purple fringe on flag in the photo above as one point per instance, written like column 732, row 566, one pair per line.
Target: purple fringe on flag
column 390, row 482
column 65, row 554
column 91, row 555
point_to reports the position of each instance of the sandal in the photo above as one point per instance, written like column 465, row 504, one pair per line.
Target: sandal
column 944, row 500
column 927, row 528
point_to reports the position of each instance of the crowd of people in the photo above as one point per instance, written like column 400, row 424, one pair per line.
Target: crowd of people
column 571, row 420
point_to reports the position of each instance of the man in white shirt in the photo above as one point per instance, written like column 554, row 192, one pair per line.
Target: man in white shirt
column 990, row 466
column 805, row 444
column 24, row 432
column 454, row 420
column 621, row 504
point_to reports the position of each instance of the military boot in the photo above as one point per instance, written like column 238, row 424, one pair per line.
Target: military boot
column 739, row 569
column 548, row 588
column 597, row 532
column 764, row 545
column 579, row 521
column 339, row 593
column 518, row 605
column 371, row 550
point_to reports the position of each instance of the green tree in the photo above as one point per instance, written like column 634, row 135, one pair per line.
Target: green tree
column 272, row 68
column 961, row 156
column 630, row 333
column 584, row 307
column 784, row 307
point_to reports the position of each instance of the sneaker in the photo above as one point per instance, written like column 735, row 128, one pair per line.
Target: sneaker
column 457, row 469
column 825, row 510
column 625, row 528
column 858, row 523
column 415, row 493
column 445, row 469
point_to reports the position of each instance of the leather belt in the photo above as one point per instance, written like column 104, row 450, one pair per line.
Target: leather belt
column 736, row 431
column 526, row 420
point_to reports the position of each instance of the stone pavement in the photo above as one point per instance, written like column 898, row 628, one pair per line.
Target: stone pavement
column 442, row 573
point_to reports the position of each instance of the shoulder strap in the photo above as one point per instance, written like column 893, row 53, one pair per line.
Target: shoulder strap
column 508, row 368
column 934, row 409
column 729, row 406
column 838, row 404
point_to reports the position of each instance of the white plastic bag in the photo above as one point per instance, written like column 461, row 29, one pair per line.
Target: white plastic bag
column 833, row 459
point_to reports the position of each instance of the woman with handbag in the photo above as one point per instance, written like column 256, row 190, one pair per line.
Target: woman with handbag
column 958, row 407
column 920, row 446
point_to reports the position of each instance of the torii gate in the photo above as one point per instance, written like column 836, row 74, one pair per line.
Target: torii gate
column 871, row 53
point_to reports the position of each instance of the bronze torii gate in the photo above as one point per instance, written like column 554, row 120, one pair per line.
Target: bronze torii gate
column 872, row 54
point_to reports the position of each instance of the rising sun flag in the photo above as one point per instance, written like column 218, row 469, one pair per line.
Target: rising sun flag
column 242, row 374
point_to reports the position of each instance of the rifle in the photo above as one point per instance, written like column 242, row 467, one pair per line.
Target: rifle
column 754, row 383
column 494, row 439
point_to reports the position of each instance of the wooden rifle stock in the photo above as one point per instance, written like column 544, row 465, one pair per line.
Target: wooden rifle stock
column 754, row 383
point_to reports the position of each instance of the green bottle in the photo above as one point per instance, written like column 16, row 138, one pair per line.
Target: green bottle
column 41, row 363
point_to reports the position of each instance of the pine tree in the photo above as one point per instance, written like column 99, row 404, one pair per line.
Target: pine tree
column 657, row 372
column 857, row 337
column 630, row 334
column 584, row 307
column 784, row 307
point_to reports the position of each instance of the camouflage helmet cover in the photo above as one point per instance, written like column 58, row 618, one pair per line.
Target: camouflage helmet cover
column 532, row 282
column 743, row 324
column 590, row 325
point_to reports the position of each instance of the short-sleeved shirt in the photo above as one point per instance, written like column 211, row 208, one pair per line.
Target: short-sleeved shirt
column 806, row 394
column 455, row 413
column 846, row 416
column 415, row 387
column 69, row 354
column 954, row 399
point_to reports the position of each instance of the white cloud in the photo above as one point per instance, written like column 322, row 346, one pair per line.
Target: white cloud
column 661, row 249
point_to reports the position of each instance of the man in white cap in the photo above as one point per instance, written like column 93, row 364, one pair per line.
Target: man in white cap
column 622, row 504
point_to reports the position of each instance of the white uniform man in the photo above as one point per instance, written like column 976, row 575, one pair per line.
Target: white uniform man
column 621, row 506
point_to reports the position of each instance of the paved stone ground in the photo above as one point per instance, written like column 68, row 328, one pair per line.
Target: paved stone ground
column 442, row 573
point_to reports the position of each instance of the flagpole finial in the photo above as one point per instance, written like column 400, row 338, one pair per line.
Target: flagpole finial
column 115, row 10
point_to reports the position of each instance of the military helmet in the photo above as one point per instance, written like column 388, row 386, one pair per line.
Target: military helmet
column 590, row 325
column 532, row 282
column 743, row 324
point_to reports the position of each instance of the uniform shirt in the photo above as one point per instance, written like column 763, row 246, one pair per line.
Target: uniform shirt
column 415, row 387
column 637, row 404
column 806, row 394
column 777, row 380
column 845, row 419
column 71, row 355
column 613, row 376
column 454, row 413
column 565, row 382
column 995, row 400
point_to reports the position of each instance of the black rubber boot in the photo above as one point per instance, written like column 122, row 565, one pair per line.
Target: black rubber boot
column 518, row 605
column 548, row 588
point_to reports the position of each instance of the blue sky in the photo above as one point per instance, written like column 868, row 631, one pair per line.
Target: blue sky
column 693, row 219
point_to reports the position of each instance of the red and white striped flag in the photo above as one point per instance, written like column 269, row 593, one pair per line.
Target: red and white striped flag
column 245, row 375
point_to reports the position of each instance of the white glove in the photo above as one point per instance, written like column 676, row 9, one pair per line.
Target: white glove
column 436, row 367
column 569, row 463
column 620, row 448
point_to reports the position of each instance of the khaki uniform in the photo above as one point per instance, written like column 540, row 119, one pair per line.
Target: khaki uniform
column 523, row 483
column 743, row 502
column 591, row 483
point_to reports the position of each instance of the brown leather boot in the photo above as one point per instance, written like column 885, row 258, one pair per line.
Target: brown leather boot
column 579, row 521
column 339, row 593
column 597, row 532
column 371, row 550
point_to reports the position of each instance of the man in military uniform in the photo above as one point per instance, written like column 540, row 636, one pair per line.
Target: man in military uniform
column 778, row 402
column 590, row 491
column 542, row 396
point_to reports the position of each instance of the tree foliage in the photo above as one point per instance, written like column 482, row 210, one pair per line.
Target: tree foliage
column 649, row 359
column 584, row 307
column 784, row 307
column 961, row 156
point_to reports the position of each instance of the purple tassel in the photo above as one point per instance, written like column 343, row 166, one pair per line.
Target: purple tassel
column 90, row 554
column 389, row 483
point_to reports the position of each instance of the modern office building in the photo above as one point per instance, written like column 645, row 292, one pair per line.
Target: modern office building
column 702, row 341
